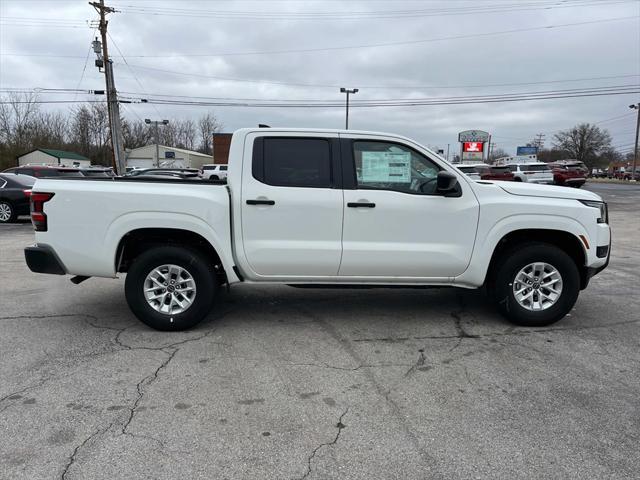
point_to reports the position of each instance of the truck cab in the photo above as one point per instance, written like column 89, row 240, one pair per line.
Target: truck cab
column 319, row 207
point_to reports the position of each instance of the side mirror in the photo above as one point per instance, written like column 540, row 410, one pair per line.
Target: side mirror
column 447, row 183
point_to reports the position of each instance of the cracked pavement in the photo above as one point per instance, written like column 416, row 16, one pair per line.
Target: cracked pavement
column 293, row 383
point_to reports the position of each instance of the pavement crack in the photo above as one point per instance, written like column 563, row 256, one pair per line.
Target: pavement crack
column 315, row 451
column 420, row 362
column 140, row 388
column 76, row 450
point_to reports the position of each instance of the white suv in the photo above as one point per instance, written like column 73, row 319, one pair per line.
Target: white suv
column 534, row 172
column 214, row 172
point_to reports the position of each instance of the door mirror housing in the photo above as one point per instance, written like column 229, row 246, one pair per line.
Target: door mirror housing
column 447, row 184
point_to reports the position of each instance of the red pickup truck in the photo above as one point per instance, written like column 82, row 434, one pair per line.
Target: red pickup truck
column 569, row 174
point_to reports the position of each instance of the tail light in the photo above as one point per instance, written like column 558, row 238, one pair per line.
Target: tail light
column 38, row 217
column 27, row 193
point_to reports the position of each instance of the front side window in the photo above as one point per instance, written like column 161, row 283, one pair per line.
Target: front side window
column 392, row 166
column 294, row 162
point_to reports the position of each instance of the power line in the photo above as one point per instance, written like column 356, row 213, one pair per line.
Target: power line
column 370, row 45
column 363, row 14
column 487, row 99
column 131, row 70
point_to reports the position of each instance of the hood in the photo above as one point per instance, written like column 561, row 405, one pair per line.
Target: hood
column 548, row 191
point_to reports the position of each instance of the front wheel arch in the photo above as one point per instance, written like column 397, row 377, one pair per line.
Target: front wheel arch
column 566, row 241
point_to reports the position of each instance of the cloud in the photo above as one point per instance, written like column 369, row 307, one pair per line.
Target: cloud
column 170, row 33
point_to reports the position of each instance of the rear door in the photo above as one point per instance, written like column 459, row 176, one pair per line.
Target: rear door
column 292, row 204
column 395, row 223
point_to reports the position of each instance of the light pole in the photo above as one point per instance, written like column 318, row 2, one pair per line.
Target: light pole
column 635, row 149
column 348, row 91
column 156, row 135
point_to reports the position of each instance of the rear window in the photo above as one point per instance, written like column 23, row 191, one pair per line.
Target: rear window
column 467, row 169
column 293, row 162
column 97, row 173
column 18, row 181
column 535, row 168
column 500, row 170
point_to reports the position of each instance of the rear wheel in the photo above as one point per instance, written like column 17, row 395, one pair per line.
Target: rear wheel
column 536, row 284
column 170, row 288
column 7, row 213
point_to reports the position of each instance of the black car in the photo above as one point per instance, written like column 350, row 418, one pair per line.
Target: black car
column 15, row 192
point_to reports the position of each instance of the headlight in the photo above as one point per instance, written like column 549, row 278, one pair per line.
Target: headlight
column 602, row 206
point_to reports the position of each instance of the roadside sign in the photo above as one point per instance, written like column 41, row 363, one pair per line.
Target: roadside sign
column 528, row 150
column 473, row 136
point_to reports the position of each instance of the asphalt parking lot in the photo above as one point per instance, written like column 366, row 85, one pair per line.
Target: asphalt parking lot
column 288, row 383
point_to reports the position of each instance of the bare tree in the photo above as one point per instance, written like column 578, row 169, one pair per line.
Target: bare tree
column 583, row 142
column 208, row 124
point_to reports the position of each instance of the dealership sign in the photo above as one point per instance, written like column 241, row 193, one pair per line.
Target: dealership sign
column 473, row 136
column 472, row 147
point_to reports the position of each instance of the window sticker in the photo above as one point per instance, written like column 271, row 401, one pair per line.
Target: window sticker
column 386, row 167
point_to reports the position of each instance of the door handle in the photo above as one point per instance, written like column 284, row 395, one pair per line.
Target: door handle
column 361, row 205
column 261, row 202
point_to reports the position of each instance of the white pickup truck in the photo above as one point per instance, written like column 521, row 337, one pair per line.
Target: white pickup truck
column 320, row 207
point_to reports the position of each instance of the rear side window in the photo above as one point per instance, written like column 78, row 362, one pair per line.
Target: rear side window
column 293, row 162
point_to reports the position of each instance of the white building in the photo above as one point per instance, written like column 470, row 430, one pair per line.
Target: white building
column 48, row 156
column 168, row 157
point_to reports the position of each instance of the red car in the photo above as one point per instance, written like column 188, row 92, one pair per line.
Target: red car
column 569, row 174
column 497, row 173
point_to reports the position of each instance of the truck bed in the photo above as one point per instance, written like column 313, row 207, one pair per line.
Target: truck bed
column 88, row 217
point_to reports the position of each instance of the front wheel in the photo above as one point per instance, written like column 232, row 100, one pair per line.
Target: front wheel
column 7, row 213
column 536, row 284
column 170, row 288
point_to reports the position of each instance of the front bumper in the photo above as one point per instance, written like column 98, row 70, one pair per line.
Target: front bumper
column 590, row 272
column 42, row 259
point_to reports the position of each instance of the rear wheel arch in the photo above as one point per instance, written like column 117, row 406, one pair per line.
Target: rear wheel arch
column 136, row 242
column 566, row 241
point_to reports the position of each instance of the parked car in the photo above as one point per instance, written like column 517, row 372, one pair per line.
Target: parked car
column 496, row 172
column 97, row 172
column 214, row 172
column 314, row 207
column 471, row 171
column 569, row 174
column 531, row 172
column 482, row 171
column 627, row 175
column 41, row 171
column 15, row 191
column 171, row 172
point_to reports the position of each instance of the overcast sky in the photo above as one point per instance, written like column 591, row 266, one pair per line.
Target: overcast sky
column 44, row 43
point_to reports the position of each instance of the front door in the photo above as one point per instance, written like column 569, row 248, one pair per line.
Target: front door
column 292, row 205
column 395, row 222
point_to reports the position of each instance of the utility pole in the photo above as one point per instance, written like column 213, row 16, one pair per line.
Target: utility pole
column 635, row 149
column 539, row 141
column 488, row 151
column 156, row 135
column 448, row 144
column 117, row 141
column 348, row 91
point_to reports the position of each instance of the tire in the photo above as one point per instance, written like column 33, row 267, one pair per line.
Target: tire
column 517, row 179
column 171, row 319
column 214, row 177
column 7, row 212
column 504, row 284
